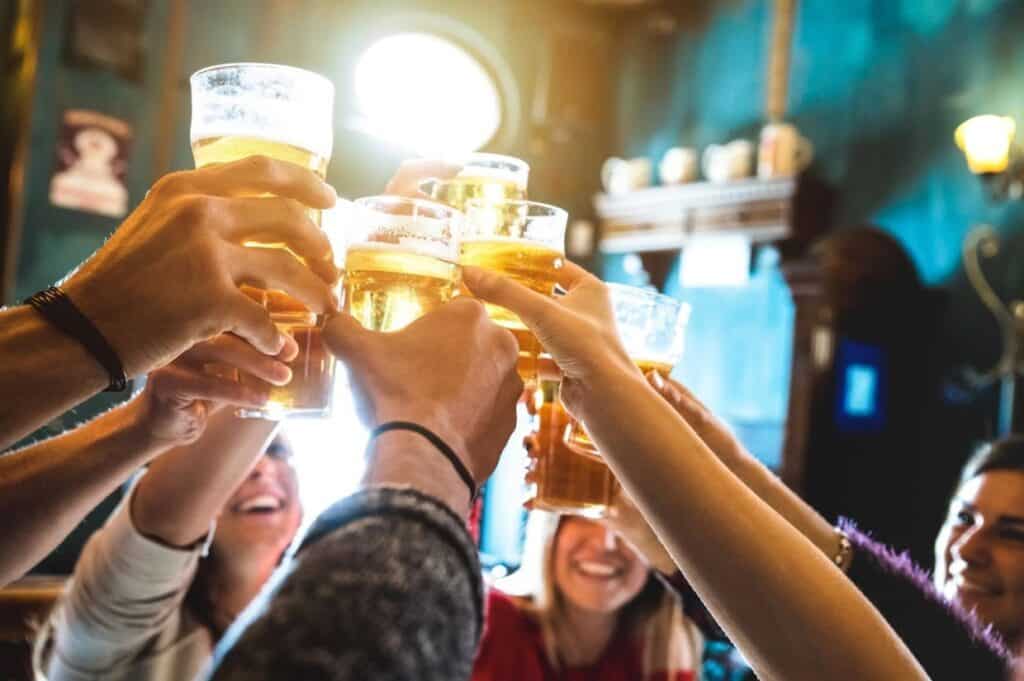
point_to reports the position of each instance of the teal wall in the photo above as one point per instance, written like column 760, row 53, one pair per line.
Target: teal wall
column 878, row 86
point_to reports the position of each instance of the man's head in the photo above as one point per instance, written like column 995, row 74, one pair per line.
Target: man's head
column 262, row 516
column 979, row 552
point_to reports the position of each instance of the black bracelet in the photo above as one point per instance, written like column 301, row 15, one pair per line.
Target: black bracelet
column 441, row 445
column 55, row 306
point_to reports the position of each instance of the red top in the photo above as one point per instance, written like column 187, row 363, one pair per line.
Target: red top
column 512, row 649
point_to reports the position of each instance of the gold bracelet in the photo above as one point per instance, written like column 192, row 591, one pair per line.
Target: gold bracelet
column 844, row 556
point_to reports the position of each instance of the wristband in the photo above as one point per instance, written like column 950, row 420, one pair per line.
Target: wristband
column 844, row 556
column 55, row 306
column 441, row 445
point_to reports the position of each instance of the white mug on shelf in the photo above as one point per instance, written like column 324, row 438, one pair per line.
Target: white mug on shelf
column 678, row 165
column 732, row 161
column 783, row 151
column 619, row 176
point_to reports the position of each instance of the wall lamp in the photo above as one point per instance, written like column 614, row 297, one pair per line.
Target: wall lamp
column 987, row 142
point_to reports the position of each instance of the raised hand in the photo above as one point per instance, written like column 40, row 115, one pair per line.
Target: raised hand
column 178, row 399
column 169, row 276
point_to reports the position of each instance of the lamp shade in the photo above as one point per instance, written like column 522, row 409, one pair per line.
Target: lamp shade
column 986, row 141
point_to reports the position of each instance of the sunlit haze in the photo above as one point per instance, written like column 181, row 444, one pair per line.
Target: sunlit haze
column 426, row 94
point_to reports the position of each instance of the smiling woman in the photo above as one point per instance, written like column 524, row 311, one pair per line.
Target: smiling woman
column 979, row 552
column 585, row 604
column 163, row 587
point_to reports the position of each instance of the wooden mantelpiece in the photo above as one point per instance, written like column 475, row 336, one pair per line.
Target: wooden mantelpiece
column 664, row 218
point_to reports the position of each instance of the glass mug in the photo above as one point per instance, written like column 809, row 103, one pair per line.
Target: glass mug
column 241, row 110
column 401, row 259
column 525, row 241
column 484, row 177
column 558, row 478
column 652, row 328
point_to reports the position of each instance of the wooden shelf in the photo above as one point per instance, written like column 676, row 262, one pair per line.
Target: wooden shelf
column 664, row 218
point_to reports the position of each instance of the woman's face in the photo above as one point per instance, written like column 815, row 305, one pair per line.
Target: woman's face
column 979, row 553
column 262, row 516
column 594, row 569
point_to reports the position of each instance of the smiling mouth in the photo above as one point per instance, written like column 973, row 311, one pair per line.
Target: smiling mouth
column 596, row 570
column 263, row 504
column 968, row 587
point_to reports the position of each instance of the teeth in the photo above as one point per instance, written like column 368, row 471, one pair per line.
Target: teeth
column 596, row 569
column 264, row 502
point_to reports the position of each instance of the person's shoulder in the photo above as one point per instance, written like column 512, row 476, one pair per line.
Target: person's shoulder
column 503, row 607
column 511, row 640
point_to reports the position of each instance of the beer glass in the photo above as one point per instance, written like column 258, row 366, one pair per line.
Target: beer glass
column 401, row 260
column 652, row 328
column 241, row 110
column 523, row 240
column 559, row 479
column 488, row 177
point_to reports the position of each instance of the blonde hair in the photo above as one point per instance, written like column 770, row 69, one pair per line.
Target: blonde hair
column 669, row 640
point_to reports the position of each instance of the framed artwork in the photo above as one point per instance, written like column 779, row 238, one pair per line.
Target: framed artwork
column 92, row 158
column 107, row 34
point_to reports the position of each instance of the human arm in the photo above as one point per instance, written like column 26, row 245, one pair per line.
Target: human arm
column 943, row 636
column 395, row 575
column 761, row 578
column 47, row 488
column 188, row 486
column 168, row 278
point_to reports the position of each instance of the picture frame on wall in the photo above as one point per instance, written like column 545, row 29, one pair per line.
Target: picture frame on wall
column 107, row 34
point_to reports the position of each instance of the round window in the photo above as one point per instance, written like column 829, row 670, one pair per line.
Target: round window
column 427, row 94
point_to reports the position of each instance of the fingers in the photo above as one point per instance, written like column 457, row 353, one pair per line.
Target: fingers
column 571, row 275
column 532, row 307
column 676, row 394
column 275, row 220
column 256, row 175
column 344, row 336
column 275, row 268
column 412, row 173
column 250, row 320
column 175, row 383
column 233, row 351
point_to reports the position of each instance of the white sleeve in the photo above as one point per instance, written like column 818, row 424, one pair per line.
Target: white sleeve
column 126, row 590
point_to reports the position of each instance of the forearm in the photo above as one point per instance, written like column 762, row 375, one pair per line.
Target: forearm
column 386, row 586
column 185, row 489
column 46, row 489
column 762, row 580
column 44, row 373
column 766, row 485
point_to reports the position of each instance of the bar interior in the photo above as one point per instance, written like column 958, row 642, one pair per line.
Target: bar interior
column 759, row 419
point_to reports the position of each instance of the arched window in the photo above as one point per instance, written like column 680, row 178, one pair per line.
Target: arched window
column 427, row 94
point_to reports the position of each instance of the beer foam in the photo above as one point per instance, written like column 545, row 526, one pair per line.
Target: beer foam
column 494, row 166
column 274, row 103
column 411, row 246
column 530, row 244
column 518, row 178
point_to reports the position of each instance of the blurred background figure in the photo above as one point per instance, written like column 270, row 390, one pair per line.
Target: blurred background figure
column 979, row 552
column 584, row 602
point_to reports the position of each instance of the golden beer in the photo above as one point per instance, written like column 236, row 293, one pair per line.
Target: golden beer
column 387, row 286
column 532, row 265
column 560, row 479
column 228, row 148
column 460, row 190
column 647, row 366
column 309, row 391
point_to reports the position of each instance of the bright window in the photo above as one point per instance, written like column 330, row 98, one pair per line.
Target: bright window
column 426, row 94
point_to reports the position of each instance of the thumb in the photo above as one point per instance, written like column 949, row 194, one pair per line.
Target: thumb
column 344, row 335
